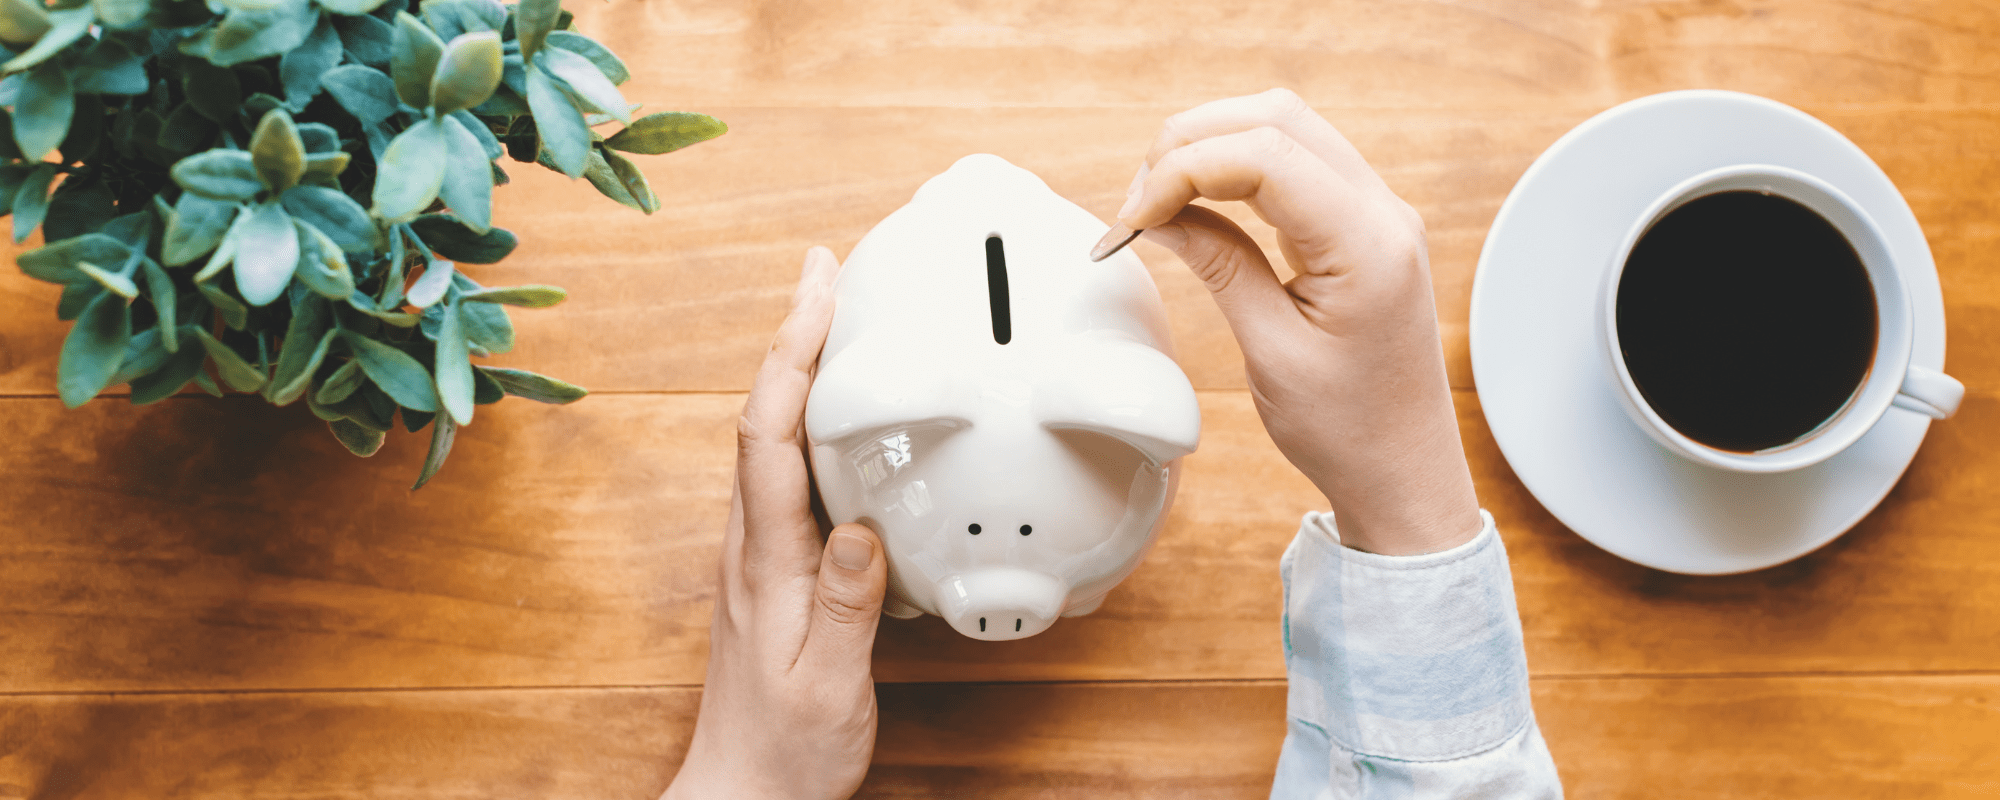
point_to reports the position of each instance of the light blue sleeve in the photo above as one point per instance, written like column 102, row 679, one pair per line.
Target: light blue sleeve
column 1406, row 675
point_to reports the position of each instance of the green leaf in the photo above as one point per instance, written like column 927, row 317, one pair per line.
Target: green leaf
column 416, row 420
column 186, row 131
column 326, row 166
column 367, row 38
column 94, row 349
column 160, row 288
column 225, row 253
column 248, row 35
column 451, row 239
column 195, row 228
column 487, row 141
column 467, row 73
column 219, row 175
column 43, row 111
column 31, row 201
column 117, row 282
column 109, row 67
column 121, row 13
column 307, row 339
column 172, row 376
column 303, row 66
column 340, row 385
column 485, row 390
column 57, row 262
column 430, row 287
column 22, row 22
column 583, row 80
column 411, row 172
column 335, row 214
column 366, row 93
column 666, row 132
column 486, row 324
column 523, row 296
column 76, row 297
column 467, row 188
column 233, row 312
column 214, row 91
column 319, row 138
column 632, row 180
column 241, row 375
column 414, row 59
column 277, row 152
column 396, row 372
column 539, row 388
column 441, row 439
column 357, row 439
column 86, row 130
column 143, row 354
column 606, row 61
column 533, row 20
column 65, row 26
column 266, row 255
column 321, row 265
column 352, row 7
column 454, row 368
column 81, row 204
column 564, row 136
column 361, row 303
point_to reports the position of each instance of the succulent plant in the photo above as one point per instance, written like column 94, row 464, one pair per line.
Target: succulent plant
column 286, row 189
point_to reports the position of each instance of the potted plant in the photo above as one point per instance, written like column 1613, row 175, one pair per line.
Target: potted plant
column 287, row 189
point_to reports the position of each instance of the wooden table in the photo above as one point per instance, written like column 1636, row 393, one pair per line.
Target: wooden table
column 210, row 598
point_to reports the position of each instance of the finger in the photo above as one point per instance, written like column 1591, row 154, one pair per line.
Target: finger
column 847, row 603
column 1278, row 108
column 771, row 472
column 1324, row 215
column 1231, row 265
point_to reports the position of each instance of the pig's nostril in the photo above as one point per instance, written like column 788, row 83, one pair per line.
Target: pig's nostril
column 1026, row 529
column 1017, row 625
column 972, row 529
column 982, row 624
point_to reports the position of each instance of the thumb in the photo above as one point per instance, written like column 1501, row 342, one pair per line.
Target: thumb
column 847, row 603
column 1229, row 263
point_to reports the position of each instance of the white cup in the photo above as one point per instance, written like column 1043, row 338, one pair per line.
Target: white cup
column 1891, row 380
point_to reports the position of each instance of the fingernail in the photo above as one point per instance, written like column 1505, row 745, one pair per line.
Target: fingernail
column 1138, row 180
column 1131, row 204
column 849, row 551
column 1114, row 240
column 1170, row 235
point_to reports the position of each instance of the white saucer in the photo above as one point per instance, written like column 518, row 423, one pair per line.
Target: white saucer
column 1544, row 381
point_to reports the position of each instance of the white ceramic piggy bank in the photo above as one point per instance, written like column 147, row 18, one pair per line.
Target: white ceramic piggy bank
column 1001, row 410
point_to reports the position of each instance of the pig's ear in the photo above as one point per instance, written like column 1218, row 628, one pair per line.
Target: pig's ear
column 869, row 388
column 1125, row 390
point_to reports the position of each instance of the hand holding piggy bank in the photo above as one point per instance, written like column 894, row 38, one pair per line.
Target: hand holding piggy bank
column 1004, row 412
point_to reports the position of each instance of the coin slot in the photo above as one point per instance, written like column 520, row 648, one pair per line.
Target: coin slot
column 996, row 290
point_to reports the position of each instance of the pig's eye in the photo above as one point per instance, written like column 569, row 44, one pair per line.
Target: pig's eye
column 1025, row 530
column 972, row 529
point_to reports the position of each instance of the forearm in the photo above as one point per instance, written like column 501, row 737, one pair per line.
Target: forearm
column 1406, row 672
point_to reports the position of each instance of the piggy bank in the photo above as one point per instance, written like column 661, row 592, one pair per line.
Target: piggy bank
column 1003, row 412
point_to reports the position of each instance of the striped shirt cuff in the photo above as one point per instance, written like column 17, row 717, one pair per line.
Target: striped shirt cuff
column 1411, row 658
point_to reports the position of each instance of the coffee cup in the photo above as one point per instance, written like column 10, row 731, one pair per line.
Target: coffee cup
column 1745, row 341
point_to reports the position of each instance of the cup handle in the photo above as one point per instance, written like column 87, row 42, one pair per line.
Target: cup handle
column 1929, row 392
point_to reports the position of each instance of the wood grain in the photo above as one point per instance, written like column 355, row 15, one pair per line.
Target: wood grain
column 686, row 300
column 227, row 545
column 1356, row 53
column 1750, row 737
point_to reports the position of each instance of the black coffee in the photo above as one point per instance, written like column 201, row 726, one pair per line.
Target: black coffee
column 1746, row 319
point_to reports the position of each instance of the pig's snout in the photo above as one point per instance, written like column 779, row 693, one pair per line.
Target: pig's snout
column 1001, row 603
